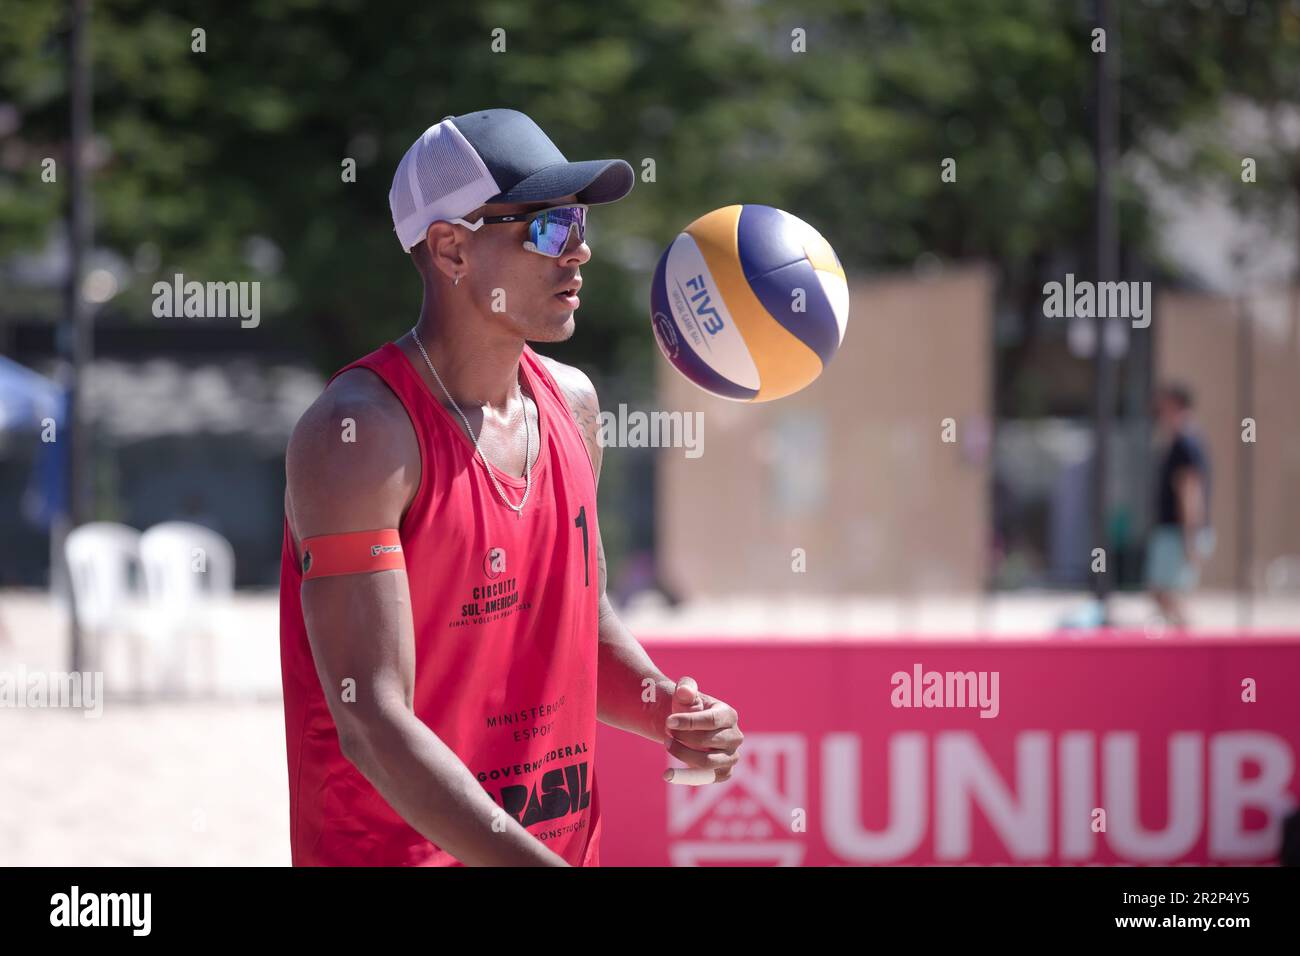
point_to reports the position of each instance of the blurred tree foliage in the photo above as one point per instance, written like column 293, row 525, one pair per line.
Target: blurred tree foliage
column 204, row 155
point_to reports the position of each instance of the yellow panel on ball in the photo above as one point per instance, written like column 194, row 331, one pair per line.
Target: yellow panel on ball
column 784, row 363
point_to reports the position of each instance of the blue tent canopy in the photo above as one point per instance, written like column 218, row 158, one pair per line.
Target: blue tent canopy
column 26, row 398
column 27, row 401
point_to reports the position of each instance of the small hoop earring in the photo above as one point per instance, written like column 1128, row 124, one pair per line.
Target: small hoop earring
column 456, row 281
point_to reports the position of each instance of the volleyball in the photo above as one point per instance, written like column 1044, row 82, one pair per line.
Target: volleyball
column 749, row 302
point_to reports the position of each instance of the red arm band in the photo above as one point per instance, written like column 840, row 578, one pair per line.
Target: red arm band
column 357, row 552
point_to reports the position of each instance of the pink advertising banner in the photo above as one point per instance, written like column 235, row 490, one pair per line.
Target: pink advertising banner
column 1108, row 750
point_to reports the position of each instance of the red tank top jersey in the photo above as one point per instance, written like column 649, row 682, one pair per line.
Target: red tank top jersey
column 505, row 613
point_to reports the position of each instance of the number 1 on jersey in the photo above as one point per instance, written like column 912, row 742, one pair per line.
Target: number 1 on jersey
column 581, row 522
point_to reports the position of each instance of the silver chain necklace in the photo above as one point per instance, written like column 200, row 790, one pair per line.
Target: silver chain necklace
column 528, row 435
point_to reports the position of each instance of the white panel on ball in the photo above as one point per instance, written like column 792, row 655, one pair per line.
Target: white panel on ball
column 724, row 350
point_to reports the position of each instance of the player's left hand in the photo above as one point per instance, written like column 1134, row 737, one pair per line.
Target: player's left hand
column 702, row 732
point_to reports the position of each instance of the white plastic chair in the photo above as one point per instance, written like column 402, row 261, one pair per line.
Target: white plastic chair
column 103, row 559
column 189, row 573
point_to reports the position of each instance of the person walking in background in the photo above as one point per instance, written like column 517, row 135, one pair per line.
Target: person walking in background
column 1181, row 538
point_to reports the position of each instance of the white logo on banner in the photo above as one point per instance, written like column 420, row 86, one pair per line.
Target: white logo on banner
column 746, row 819
column 1039, row 807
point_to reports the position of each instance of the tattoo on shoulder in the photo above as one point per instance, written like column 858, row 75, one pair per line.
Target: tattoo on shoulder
column 585, row 410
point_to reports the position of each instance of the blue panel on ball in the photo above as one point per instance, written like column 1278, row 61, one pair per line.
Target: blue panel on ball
column 678, row 350
column 765, row 241
column 816, row 326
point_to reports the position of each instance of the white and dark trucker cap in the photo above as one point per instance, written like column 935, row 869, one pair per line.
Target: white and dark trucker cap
column 491, row 156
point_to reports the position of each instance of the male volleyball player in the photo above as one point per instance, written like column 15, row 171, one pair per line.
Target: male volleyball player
column 446, row 642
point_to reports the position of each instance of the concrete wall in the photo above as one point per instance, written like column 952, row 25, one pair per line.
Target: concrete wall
column 852, row 469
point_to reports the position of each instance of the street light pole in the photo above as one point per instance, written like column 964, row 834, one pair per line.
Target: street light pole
column 1106, row 240
column 74, row 335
